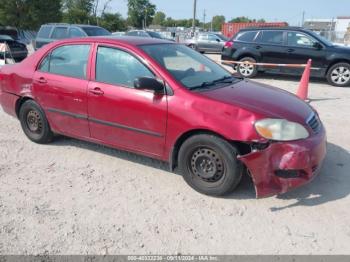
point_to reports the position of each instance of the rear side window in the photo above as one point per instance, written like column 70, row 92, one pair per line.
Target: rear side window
column 114, row 66
column 246, row 36
column 95, row 31
column 45, row 32
column 69, row 60
column 272, row 37
column 59, row 33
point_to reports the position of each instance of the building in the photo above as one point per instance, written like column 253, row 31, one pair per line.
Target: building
column 334, row 29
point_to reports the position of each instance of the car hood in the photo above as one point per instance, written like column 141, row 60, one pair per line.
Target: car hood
column 341, row 48
column 262, row 99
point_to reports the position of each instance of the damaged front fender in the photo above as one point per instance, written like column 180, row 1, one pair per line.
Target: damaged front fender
column 283, row 166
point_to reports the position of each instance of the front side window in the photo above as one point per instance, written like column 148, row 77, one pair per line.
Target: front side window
column 69, row 60
column 191, row 69
column 95, row 31
column 117, row 67
column 59, row 33
column 213, row 38
column 300, row 40
column 272, row 37
column 75, row 32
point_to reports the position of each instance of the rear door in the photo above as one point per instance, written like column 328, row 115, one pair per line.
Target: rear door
column 60, row 86
column 271, row 45
column 120, row 115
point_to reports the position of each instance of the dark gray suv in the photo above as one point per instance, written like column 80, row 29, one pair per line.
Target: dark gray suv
column 289, row 45
column 51, row 32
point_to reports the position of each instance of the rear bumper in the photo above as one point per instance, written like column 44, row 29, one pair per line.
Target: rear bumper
column 8, row 102
column 286, row 165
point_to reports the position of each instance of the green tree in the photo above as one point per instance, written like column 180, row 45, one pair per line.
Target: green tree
column 78, row 11
column 244, row 19
column 29, row 14
column 218, row 20
column 159, row 18
column 112, row 22
column 140, row 12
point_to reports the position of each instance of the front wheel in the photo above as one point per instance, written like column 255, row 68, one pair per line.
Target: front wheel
column 209, row 165
column 247, row 69
column 34, row 123
column 339, row 75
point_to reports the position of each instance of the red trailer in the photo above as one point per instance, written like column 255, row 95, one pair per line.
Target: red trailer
column 230, row 29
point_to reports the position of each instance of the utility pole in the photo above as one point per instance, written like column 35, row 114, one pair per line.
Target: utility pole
column 204, row 16
column 194, row 17
column 303, row 19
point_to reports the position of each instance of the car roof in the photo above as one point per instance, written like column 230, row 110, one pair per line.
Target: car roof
column 274, row 28
column 63, row 24
column 128, row 40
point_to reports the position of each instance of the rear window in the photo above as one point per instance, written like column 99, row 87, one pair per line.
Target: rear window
column 246, row 36
column 59, row 33
column 272, row 37
column 95, row 31
column 44, row 32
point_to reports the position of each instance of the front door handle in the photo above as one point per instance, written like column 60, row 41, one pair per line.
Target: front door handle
column 258, row 47
column 97, row 91
column 290, row 50
column 42, row 80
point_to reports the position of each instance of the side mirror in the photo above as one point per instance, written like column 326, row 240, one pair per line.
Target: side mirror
column 149, row 83
column 317, row 45
column 218, row 40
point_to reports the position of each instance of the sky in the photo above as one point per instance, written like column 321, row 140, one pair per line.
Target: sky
column 271, row 10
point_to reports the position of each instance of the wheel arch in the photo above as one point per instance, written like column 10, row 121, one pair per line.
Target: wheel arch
column 336, row 61
column 173, row 157
column 20, row 101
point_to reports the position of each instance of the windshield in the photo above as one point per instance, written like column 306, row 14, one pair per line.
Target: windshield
column 222, row 37
column 95, row 31
column 5, row 37
column 193, row 70
column 155, row 35
column 324, row 40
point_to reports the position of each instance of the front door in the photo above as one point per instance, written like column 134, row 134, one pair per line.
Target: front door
column 301, row 48
column 119, row 114
column 60, row 85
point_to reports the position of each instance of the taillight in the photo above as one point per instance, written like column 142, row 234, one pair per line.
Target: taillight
column 228, row 44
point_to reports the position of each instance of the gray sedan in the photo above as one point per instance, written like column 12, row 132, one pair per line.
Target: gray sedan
column 207, row 42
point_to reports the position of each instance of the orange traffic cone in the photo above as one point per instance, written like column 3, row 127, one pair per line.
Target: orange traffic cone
column 304, row 83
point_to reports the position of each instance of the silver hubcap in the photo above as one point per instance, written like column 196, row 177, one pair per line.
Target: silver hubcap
column 340, row 75
column 246, row 69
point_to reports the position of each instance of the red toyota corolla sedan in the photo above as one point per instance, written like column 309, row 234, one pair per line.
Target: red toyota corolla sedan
column 166, row 101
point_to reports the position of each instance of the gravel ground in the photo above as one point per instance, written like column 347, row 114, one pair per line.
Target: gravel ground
column 74, row 197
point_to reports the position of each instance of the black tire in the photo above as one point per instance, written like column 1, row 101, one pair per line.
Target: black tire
column 247, row 71
column 339, row 75
column 34, row 123
column 209, row 165
column 193, row 46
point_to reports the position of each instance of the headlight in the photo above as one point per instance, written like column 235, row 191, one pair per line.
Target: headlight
column 280, row 130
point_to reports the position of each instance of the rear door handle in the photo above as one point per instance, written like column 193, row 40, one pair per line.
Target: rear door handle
column 97, row 91
column 42, row 80
column 290, row 50
column 258, row 47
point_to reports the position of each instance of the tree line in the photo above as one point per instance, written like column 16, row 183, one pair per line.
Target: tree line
column 31, row 14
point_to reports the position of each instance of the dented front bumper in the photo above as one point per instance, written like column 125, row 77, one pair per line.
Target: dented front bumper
column 286, row 165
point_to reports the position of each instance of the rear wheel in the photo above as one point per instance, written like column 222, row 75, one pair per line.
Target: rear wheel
column 247, row 70
column 339, row 75
column 209, row 165
column 34, row 123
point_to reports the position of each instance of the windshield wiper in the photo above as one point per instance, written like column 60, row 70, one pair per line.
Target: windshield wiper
column 213, row 83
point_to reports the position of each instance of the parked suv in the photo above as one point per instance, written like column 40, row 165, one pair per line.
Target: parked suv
column 288, row 45
column 51, row 32
column 207, row 42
